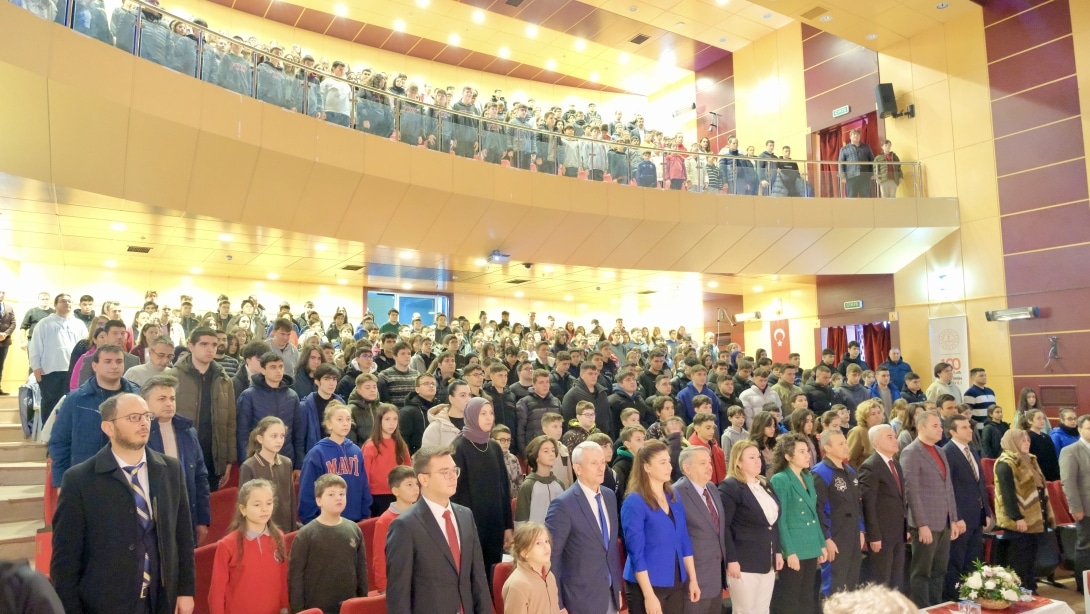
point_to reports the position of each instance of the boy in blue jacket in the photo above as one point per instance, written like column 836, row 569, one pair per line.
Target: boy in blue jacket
column 336, row 454
column 646, row 176
column 270, row 394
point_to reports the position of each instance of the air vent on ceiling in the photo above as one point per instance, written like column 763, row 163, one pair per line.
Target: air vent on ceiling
column 514, row 2
column 516, row 281
column 815, row 12
column 351, row 267
column 647, row 292
column 639, row 39
column 139, row 249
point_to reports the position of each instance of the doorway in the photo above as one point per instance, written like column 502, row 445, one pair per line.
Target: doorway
column 827, row 144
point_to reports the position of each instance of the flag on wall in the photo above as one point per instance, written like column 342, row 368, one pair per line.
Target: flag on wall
column 781, row 340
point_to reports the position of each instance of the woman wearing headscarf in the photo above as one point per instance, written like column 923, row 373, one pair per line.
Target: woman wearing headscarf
column 1021, row 504
column 483, row 485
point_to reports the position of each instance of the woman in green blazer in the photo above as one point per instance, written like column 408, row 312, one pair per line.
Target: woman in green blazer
column 801, row 537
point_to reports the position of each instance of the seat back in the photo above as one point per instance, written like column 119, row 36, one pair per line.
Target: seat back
column 289, row 538
column 500, row 573
column 223, row 503
column 368, row 528
column 988, row 466
column 203, row 558
column 365, row 605
column 1058, row 501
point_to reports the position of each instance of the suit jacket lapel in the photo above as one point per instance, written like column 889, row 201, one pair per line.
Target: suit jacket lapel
column 688, row 490
column 431, row 527
column 585, row 504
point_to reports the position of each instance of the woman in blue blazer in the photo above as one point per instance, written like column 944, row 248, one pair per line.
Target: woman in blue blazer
column 660, row 554
column 801, row 536
column 752, row 540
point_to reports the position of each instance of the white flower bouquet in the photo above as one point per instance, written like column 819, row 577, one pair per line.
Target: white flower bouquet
column 992, row 586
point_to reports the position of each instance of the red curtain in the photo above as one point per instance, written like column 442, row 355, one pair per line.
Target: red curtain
column 830, row 143
column 876, row 343
column 837, row 340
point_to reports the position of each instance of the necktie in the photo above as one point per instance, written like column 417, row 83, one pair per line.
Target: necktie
column 143, row 517
column 452, row 541
column 969, row 457
column 896, row 478
column 711, row 507
column 602, row 521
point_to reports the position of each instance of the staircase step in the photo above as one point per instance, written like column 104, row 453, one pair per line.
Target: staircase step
column 19, row 503
column 17, row 539
column 23, row 451
column 10, row 401
column 11, row 433
column 9, row 416
column 22, row 473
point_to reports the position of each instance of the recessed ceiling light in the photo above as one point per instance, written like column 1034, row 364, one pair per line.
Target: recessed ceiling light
column 273, row 276
column 826, row 18
column 406, row 286
column 118, row 227
column 519, row 294
column 767, row 16
column 478, row 16
column 594, row 76
column 623, row 58
column 110, row 263
column 195, row 270
column 340, row 10
column 227, row 237
column 480, row 262
column 942, row 5
column 547, row 268
column 531, row 31
column 871, row 37
column 550, row 64
column 454, row 39
column 580, row 44
column 713, row 284
column 342, row 281
column 608, row 274
column 722, row 2
column 504, row 52
column 633, row 9
column 567, row 297
column 679, row 25
column 423, row 3
column 758, row 289
column 399, row 25
column 321, row 247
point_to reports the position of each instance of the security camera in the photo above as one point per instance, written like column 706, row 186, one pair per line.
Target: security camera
column 527, row 264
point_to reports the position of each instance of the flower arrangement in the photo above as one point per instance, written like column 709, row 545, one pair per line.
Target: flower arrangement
column 992, row 586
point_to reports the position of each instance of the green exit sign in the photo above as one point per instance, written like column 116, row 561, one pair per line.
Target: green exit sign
column 842, row 111
column 853, row 305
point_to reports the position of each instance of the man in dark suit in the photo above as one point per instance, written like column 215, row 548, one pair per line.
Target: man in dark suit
column 433, row 555
column 881, row 483
column 932, row 510
column 707, row 526
column 974, row 508
column 585, row 559
column 126, row 509
column 7, row 328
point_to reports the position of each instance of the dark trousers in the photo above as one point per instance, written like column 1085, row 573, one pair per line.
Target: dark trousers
column 3, row 359
column 597, row 174
column 888, row 566
column 1082, row 548
column 213, row 479
column 796, row 591
column 964, row 550
column 859, row 186
column 1022, row 556
column 53, row 386
column 524, row 159
column 671, row 598
column 842, row 573
column 927, row 571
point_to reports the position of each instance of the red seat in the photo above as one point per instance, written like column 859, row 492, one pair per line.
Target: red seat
column 232, row 478
column 204, row 558
column 988, row 465
column 368, row 528
column 365, row 605
column 50, row 498
column 312, row 611
column 1058, row 501
column 289, row 539
column 500, row 573
column 223, row 503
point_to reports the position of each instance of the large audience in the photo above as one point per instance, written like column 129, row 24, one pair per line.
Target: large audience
column 513, row 443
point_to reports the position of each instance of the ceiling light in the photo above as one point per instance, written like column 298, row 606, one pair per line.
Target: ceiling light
column 519, row 294
column 679, row 25
column 623, row 58
column 722, row 2
column 567, row 297
column 580, row 44
column 826, row 18
column 118, row 227
column 480, row 262
column 110, row 263
column 406, row 286
column 321, row 247
column 340, row 10
column 531, row 31
column 547, row 268
column 226, row 237
column 550, row 64
column 273, row 276
column 633, row 9
column 454, row 39
column 668, row 57
column 713, row 284
column 195, row 270
column 594, row 77
column 405, row 255
column 399, row 25
column 478, row 16
column 342, row 281
column 758, row 289
column 423, row 3
column 608, row 274
column 942, row 5
column 504, row 52
column 723, row 39
column 767, row 16
column 871, row 37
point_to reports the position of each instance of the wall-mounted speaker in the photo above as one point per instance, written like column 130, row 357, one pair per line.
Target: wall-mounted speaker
column 884, row 100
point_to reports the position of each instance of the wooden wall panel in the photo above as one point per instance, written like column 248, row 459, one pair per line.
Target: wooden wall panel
column 1045, row 228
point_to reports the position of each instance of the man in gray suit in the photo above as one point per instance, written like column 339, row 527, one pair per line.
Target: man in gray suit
column 932, row 510
column 1075, row 477
column 707, row 525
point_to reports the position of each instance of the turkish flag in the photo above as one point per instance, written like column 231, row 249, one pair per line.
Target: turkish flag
column 781, row 340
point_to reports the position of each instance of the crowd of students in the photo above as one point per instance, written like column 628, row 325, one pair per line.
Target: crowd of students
column 809, row 469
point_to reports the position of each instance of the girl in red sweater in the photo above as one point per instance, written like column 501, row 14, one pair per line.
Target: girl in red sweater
column 382, row 452
column 250, row 575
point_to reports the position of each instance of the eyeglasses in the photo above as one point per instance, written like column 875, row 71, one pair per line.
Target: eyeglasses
column 135, row 418
column 504, row 440
column 445, row 473
column 160, row 354
column 588, row 414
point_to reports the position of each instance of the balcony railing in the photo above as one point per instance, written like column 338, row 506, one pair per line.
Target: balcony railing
column 195, row 50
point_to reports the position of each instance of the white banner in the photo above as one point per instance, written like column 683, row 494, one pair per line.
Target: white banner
column 950, row 344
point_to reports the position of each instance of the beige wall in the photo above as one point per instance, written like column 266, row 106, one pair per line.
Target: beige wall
column 798, row 306
column 770, row 93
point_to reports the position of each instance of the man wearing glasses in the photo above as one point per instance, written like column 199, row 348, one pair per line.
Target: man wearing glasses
column 125, row 508
column 159, row 355
column 77, row 434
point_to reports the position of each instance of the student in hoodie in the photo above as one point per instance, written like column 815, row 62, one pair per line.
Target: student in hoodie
column 251, row 365
column 646, row 176
column 362, row 404
column 912, row 392
column 325, row 379
column 174, row 435
column 561, row 379
column 270, row 394
column 758, row 395
column 338, row 455
column 698, row 376
column 852, row 358
column 446, row 420
column 819, row 394
column 541, row 486
column 363, row 362
column 632, row 439
column 626, row 395
column 414, row 415
column 852, row 392
column 1066, row 433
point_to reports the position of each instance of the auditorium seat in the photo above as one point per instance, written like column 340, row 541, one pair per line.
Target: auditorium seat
column 312, row 611
column 289, row 539
column 1065, row 523
column 223, row 503
column 368, row 528
column 988, row 465
column 204, row 558
column 500, row 573
column 365, row 605
column 232, row 478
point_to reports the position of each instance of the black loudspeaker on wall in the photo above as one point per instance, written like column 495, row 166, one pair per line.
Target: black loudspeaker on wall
column 886, row 102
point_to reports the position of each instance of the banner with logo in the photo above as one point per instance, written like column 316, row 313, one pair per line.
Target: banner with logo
column 950, row 344
column 781, row 340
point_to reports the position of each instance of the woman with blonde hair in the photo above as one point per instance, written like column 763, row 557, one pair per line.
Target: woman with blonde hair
column 1021, row 504
column 867, row 414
